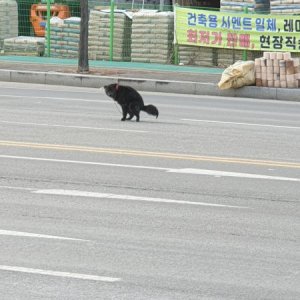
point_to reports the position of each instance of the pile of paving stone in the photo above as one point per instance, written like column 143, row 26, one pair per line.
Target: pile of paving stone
column 197, row 56
column 285, row 6
column 99, row 35
column 212, row 57
column 64, row 37
column 258, row 6
column 277, row 69
column 24, row 45
column 8, row 20
column 152, row 37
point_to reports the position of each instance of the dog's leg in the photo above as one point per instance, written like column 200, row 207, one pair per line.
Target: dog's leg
column 130, row 112
column 138, row 116
column 135, row 110
column 125, row 111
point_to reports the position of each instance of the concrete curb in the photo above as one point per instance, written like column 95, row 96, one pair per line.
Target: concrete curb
column 149, row 85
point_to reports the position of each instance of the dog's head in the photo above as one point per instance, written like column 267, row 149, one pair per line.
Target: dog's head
column 111, row 90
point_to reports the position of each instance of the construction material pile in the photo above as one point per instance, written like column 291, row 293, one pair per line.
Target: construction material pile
column 285, row 6
column 197, row 56
column 257, row 6
column 152, row 37
column 277, row 69
column 99, row 35
column 211, row 57
column 226, row 57
column 24, row 45
column 64, row 37
column 8, row 20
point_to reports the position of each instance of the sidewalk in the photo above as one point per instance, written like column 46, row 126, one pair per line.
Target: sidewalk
column 144, row 77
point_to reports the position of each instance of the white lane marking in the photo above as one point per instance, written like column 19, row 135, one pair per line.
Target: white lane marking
column 231, row 174
column 239, row 123
column 203, row 172
column 16, row 188
column 59, row 274
column 55, row 98
column 74, row 127
column 36, row 235
column 76, row 193
column 84, row 162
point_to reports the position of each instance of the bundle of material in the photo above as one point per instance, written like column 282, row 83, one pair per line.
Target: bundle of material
column 239, row 74
column 285, row 6
column 99, row 35
column 277, row 69
column 24, row 45
column 64, row 37
column 8, row 20
column 197, row 56
column 152, row 37
column 256, row 6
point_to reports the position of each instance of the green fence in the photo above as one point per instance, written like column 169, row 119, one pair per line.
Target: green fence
column 137, row 32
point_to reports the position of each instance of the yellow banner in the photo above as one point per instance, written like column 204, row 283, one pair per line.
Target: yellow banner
column 237, row 31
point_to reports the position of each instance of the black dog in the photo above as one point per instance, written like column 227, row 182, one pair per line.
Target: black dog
column 130, row 100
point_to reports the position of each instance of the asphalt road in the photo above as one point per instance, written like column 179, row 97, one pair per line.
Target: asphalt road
column 201, row 203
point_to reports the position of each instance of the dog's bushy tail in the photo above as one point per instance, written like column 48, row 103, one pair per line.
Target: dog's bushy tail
column 150, row 109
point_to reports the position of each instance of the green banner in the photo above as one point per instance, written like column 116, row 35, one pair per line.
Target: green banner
column 237, row 31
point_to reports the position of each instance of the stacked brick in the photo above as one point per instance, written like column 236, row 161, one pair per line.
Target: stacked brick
column 257, row 6
column 64, row 38
column 152, row 37
column 99, row 36
column 8, row 20
column 277, row 69
column 285, row 6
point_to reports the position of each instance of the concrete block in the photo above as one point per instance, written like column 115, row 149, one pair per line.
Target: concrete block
column 256, row 92
column 28, row 77
column 288, row 94
column 91, row 81
column 64, row 79
column 107, row 80
column 147, row 85
column 225, row 93
column 211, row 89
column 178, row 87
column 5, row 75
column 206, row 89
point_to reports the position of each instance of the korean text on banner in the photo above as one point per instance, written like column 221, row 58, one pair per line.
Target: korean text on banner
column 237, row 31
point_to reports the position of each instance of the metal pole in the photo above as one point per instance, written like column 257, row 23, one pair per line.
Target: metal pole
column 176, row 46
column 111, row 34
column 161, row 5
column 176, row 54
column 245, row 53
column 48, row 27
